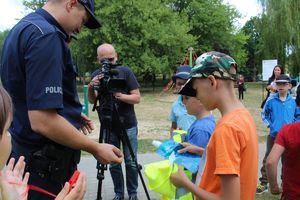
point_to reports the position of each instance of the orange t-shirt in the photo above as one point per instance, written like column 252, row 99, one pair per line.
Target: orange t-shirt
column 232, row 149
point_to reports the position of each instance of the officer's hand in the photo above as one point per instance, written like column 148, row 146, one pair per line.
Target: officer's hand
column 13, row 180
column 107, row 153
column 76, row 193
column 86, row 125
column 179, row 179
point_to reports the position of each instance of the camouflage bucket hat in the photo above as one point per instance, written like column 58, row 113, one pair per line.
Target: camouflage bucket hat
column 210, row 63
column 216, row 64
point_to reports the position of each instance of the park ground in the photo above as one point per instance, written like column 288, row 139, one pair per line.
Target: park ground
column 154, row 109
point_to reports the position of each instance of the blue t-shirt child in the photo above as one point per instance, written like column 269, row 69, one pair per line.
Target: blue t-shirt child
column 200, row 131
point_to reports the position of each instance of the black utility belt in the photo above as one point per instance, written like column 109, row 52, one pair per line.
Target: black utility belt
column 53, row 161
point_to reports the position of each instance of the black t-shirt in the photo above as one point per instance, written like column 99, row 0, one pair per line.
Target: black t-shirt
column 125, row 110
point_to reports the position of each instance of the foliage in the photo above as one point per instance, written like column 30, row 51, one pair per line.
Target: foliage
column 151, row 36
column 33, row 4
column 280, row 32
column 212, row 22
column 253, row 46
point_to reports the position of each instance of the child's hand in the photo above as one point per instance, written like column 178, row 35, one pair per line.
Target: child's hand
column 76, row 193
column 13, row 180
column 187, row 147
column 179, row 179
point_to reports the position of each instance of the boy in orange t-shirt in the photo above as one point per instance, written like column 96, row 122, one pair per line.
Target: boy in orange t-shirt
column 231, row 159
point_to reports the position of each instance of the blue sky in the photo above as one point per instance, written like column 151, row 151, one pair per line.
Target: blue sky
column 12, row 10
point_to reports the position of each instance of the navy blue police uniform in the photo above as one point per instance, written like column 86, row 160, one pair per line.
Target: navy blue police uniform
column 37, row 71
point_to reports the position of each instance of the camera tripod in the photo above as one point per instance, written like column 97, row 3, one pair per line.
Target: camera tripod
column 106, row 109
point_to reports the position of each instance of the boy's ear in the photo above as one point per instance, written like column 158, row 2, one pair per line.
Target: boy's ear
column 212, row 80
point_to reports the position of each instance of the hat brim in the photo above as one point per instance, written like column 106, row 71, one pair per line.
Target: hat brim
column 282, row 81
column 93, row 22
column 182, row 76
column 187, row 89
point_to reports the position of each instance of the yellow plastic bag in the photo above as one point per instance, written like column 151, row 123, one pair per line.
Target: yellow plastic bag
column 158, row 174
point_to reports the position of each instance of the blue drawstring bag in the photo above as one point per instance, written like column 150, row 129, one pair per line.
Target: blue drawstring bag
column 188, row 160
column 168, row 150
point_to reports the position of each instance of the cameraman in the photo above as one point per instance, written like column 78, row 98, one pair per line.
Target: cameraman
column 125, row 102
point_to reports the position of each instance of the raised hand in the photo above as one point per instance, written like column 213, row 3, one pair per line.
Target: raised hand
column 14, row 181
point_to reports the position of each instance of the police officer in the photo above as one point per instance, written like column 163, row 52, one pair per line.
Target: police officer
column 38, row 73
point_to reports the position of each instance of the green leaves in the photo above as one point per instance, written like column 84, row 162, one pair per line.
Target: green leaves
column 280, row 32
column 151, row 36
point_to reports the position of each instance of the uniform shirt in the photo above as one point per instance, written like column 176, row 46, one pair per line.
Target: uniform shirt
column 180, row 116
column 289, row 138
column 232, row 149
column 125, row 110
column 38, row 72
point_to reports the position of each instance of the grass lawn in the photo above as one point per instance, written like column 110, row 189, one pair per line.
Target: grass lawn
column 267, row 196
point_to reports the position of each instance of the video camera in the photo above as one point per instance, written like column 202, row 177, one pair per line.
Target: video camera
column 109, row 83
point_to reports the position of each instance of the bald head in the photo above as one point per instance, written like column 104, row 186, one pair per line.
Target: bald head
column 107, row 51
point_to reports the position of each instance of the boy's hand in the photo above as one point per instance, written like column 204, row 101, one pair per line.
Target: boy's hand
column 187, row 147
column 179, row 179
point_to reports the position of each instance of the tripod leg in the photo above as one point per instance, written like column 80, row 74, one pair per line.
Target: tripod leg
column 100, row 167
column 125, row 139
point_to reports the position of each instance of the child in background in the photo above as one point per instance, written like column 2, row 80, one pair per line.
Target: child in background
column 200, row 131
column 179, row 117
column 279, row 110
column 271, row 87
column 230, row 171
column 13, row 185
column 198, row 134
column 241, row 86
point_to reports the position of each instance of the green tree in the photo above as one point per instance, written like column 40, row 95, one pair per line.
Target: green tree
column 253, row 46
column 149, row 36
column 212, row 23
column 33, row 4
column 280, row 32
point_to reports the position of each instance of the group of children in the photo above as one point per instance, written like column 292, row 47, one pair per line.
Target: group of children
column 228, row 169
column 231, row 157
